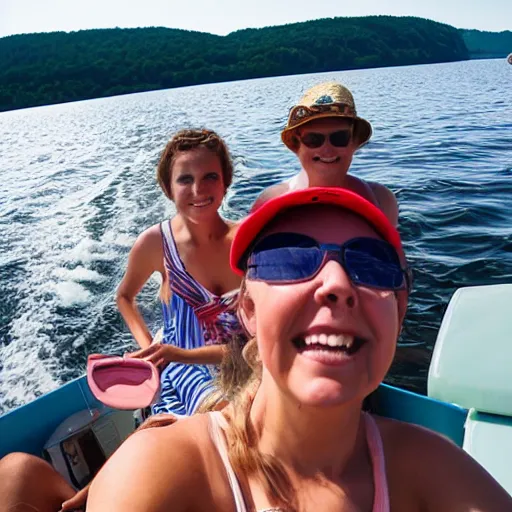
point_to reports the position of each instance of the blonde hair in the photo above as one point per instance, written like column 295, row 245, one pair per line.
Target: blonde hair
column 241, row 371
column 239, row 380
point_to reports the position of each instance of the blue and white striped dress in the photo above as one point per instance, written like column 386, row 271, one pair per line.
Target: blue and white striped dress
column 194, row 317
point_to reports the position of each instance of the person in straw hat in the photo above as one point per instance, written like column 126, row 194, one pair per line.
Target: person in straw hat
column 324, row 131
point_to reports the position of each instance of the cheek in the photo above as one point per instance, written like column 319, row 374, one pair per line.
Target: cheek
column 276, row 306
column 303, row 153
column 277, row 311
column 269, row 315
column 214, row 187
column 219, row 185
column 388, row 313
column 383, row 317
column 178, row 191
column 348, row 154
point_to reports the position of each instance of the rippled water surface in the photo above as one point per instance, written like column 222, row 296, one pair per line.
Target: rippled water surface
column 77, row 185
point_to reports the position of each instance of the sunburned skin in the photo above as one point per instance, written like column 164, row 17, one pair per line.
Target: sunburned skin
column 354, row 364
column 305, row 412
column 197, row 183
column 328, row 166
column 325, row 153
column 330, row 162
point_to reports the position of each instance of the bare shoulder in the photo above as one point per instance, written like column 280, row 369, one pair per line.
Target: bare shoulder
column 155, row 470
column 420, row 462
column 147, row 251
column 387, row 200
column 406, row 438
column 233, row 228
column 270, row 192
column 151, row 237
column 381, row 191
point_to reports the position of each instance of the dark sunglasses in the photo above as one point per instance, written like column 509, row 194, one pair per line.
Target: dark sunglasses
column 285, row 258
column 338, row 139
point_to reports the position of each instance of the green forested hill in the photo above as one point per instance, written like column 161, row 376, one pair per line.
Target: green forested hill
column 40, row 69
column 485, row 45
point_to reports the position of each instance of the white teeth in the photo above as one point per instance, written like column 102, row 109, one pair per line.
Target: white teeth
column 332, row 340
column 329, row 160
column 203, row 203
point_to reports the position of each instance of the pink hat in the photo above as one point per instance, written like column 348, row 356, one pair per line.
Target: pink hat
column 122, row 382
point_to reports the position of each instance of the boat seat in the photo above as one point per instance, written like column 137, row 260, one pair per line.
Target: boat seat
column 471, row 368
column 488, row 439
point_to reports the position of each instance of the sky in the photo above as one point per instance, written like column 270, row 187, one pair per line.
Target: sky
column 224, row 16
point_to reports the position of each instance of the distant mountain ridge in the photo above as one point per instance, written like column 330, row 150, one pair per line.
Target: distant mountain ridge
column 40, row 69
column 487, row 45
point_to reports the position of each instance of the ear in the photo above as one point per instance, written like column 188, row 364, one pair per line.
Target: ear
column 247, row 314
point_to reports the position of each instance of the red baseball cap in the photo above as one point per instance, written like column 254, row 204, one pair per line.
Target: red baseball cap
column 252, row 226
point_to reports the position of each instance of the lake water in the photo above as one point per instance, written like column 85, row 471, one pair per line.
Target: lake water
column 77, row 185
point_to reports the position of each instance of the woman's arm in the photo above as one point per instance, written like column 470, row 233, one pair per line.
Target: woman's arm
column 80, row 498
column 460, row 483
column 145, row 258
column 443, row 477
column 269, row 193
column 161, row 354
column 149, row 474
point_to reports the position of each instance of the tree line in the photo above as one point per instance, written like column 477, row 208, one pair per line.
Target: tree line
column 41, row 69
column 487, row 45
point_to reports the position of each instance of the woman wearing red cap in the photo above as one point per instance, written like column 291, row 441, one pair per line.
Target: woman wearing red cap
column 324, row 296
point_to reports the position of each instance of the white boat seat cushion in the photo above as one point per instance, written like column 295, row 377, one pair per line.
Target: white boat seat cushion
column 488, row 439
column 472, row 360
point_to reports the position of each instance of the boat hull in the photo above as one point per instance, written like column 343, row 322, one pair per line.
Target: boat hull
column 28, row 427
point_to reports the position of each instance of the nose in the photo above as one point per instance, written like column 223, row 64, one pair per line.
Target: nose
column 335, row 286
column 197, row 188
column 327, row 141
column 328, row 145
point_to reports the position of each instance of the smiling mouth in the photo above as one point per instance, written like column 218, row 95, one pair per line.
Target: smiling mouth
column 331, row 343
column 202, row 204
column 332, row 160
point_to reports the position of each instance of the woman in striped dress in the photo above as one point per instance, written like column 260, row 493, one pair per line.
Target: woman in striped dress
column 199, row 293
column 199, row 290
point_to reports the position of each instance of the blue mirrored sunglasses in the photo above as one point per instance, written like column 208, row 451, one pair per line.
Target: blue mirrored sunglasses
column 285, row 258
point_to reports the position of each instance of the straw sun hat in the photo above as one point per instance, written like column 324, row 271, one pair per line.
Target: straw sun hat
column 329, row 99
